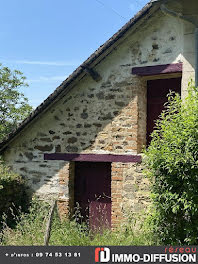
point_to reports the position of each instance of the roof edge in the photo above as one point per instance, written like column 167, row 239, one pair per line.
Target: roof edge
column 62, row 87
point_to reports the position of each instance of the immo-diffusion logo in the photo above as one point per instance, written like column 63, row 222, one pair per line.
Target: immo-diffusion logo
column 102, row 255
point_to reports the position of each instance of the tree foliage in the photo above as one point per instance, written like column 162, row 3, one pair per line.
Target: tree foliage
column 172, row 162
column 14, row 105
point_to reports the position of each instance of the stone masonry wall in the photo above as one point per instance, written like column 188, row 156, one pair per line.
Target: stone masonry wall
column 66, row 193
column 117, row 182
column 99, row 117
column 130, row 191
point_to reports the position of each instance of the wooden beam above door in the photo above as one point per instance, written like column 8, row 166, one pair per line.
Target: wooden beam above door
column 93, row 157
column 158, row 69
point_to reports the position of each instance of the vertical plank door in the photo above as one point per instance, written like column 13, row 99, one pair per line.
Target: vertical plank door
column 93, row 193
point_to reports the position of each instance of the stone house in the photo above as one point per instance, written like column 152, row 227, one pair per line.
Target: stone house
column 83, row 143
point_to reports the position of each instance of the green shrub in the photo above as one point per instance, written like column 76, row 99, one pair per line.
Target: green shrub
column 172, row 162
column 12, row 193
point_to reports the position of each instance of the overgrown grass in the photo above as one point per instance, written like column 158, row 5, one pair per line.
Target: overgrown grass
column 30, row 230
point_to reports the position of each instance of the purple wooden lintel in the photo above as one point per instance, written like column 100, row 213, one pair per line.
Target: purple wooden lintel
column 93, row 157
column 158, row 69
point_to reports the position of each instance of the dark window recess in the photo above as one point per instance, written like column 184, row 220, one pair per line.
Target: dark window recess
column 157, row 91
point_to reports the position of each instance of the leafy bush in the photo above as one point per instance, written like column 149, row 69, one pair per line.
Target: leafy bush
column 172, row 162
column 12, row 193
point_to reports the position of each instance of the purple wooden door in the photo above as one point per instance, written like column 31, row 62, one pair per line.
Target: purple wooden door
column 93, row 193
column 157, row 91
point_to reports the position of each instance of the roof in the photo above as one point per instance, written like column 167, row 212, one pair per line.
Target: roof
column 65, row 85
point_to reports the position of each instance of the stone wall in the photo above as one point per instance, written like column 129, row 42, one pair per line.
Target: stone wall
column 99, row 117
column 117, row 181
column 130, row 191
column 188, row 57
